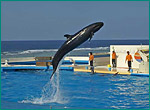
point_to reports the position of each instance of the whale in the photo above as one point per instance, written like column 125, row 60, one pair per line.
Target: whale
column 73, row 41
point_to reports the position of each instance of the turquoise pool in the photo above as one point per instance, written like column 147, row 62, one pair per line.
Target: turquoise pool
column 77, row 90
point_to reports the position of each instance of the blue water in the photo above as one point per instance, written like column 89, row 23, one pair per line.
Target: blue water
column 11, row 49
column 22, row 89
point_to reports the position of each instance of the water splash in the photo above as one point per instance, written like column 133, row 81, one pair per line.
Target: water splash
column 51, row 92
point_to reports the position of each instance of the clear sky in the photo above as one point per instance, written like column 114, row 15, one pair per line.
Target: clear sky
column 50, row 20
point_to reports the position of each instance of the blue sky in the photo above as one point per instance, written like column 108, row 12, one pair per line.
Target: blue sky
column 50, row 20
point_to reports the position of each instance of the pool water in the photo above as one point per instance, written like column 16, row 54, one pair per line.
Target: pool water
column 77, row 90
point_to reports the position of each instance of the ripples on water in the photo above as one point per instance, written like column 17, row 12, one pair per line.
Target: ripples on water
column 76, row 90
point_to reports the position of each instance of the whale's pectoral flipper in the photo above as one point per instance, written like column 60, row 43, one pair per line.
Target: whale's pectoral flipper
column 92, row 34
column 68, row 36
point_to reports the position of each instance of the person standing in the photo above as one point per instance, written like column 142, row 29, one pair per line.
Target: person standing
column 129, row 59
column 114, row 59
column 91, row 58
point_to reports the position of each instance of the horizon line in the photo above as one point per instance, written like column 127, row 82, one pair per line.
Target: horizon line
column 64, row 40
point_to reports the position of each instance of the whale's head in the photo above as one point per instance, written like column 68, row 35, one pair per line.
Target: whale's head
column 96, row 26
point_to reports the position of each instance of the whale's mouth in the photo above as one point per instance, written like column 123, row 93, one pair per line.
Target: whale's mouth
column 98, row 26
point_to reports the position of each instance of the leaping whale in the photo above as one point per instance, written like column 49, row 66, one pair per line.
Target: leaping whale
column 74, row 41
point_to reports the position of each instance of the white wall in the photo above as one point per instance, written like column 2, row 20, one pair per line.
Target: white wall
column 121, row 52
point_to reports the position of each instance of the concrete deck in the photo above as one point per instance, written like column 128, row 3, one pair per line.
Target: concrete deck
column 101, row 69
column 104, row 70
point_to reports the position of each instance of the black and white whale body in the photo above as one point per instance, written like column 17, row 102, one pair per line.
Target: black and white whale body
column 74, row 41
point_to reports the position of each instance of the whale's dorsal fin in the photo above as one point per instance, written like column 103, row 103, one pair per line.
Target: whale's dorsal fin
column 68, row 36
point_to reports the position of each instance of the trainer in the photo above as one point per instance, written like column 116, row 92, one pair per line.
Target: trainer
column 91, row 58
column 129, row 59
